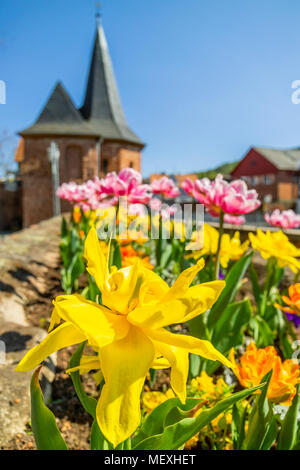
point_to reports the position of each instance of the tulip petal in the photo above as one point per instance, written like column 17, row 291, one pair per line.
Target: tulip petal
column 160, row 363
column 122, row 286
column 184, row 281
column 196, row 300
column 201, row 298
column 87, row 363
column 124, row 364
column 179, row 362
column 63, row 336
column 99, row 325
column 96, row 261
column 189, row 343
column 55, row 320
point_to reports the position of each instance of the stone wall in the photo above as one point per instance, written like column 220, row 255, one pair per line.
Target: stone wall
column 26, row 258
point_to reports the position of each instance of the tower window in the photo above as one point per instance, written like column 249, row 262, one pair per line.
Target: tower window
column 131, row 165
column 104, row 166
column 73, row 163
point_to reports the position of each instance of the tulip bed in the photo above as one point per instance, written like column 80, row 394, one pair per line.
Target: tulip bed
column 174, row 304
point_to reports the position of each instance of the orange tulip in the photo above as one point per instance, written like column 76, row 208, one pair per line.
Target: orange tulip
column 77, row 215
column 256, row 363
column 293, row 300
column 130, row 257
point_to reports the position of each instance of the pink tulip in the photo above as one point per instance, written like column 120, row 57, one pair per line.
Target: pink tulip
column 105, row 192
column 156, row 205
column 166, row 187
column 188, row 187
column 234, row 219
column 284, row 219
column 218, row 195
column 140, row 194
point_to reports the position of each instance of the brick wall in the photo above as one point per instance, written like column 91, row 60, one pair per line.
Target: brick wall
column 78, row 157
column 78, row 162
column 10, row 208
column 116, row 156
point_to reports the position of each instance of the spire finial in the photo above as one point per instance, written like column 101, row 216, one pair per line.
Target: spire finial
column 98, row 12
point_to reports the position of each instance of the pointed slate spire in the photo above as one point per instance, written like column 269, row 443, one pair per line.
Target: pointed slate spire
column 102, row 105
column 101, row 114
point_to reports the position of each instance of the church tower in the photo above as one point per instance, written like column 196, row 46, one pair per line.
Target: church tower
column 93, row 140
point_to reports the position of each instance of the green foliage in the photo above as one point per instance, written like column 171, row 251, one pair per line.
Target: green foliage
column 228, row 294
column 288, row 434
column 224, row 169
column 71, row 251
column 98, row 441
column 260, row 420
column 179, row 431
column 45, row 430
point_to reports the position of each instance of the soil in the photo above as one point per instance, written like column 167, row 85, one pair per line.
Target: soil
column 72, row 420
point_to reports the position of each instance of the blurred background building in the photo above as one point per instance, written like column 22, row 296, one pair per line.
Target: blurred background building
column 92, row 140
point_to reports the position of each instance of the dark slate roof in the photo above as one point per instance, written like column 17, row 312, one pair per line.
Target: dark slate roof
column 101, row 114
column 102, row 105
column 288, row 159
column 59, row 116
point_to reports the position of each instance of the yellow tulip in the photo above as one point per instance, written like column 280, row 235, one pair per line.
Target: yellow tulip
column 208, row 389
column 206, row 243
column 153, row 399
column 276, row 245
column 127, row 332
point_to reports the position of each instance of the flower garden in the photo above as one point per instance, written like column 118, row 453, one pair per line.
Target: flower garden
column 182, row 358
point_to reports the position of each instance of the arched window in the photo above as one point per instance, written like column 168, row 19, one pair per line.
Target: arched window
column 104, row 165
column 73, row 163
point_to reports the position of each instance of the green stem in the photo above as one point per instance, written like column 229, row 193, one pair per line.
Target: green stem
column 217, row 265
column 158, row 244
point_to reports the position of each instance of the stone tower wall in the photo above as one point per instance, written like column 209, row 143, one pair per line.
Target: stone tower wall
column 78, row 162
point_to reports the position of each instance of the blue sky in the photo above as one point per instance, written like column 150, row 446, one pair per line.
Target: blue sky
column 200, row 80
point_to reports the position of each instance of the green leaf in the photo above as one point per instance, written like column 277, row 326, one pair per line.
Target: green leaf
column 238, row 426
column 228, row 294
column 93, row 290
column 259, row 418
column 271, row 435
column 228, row 331
column 288, row 433
column 88, row 403
column 45, row 430
column 64, row 228
column 194, row 365
column 296, row 446
column 154, row 423
column 98, row 441
column 262, row 333
column 286, row 346
column 117, row 256
column 75, row 269
column 175, row 435
column 257, row 292
column 167, row 253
